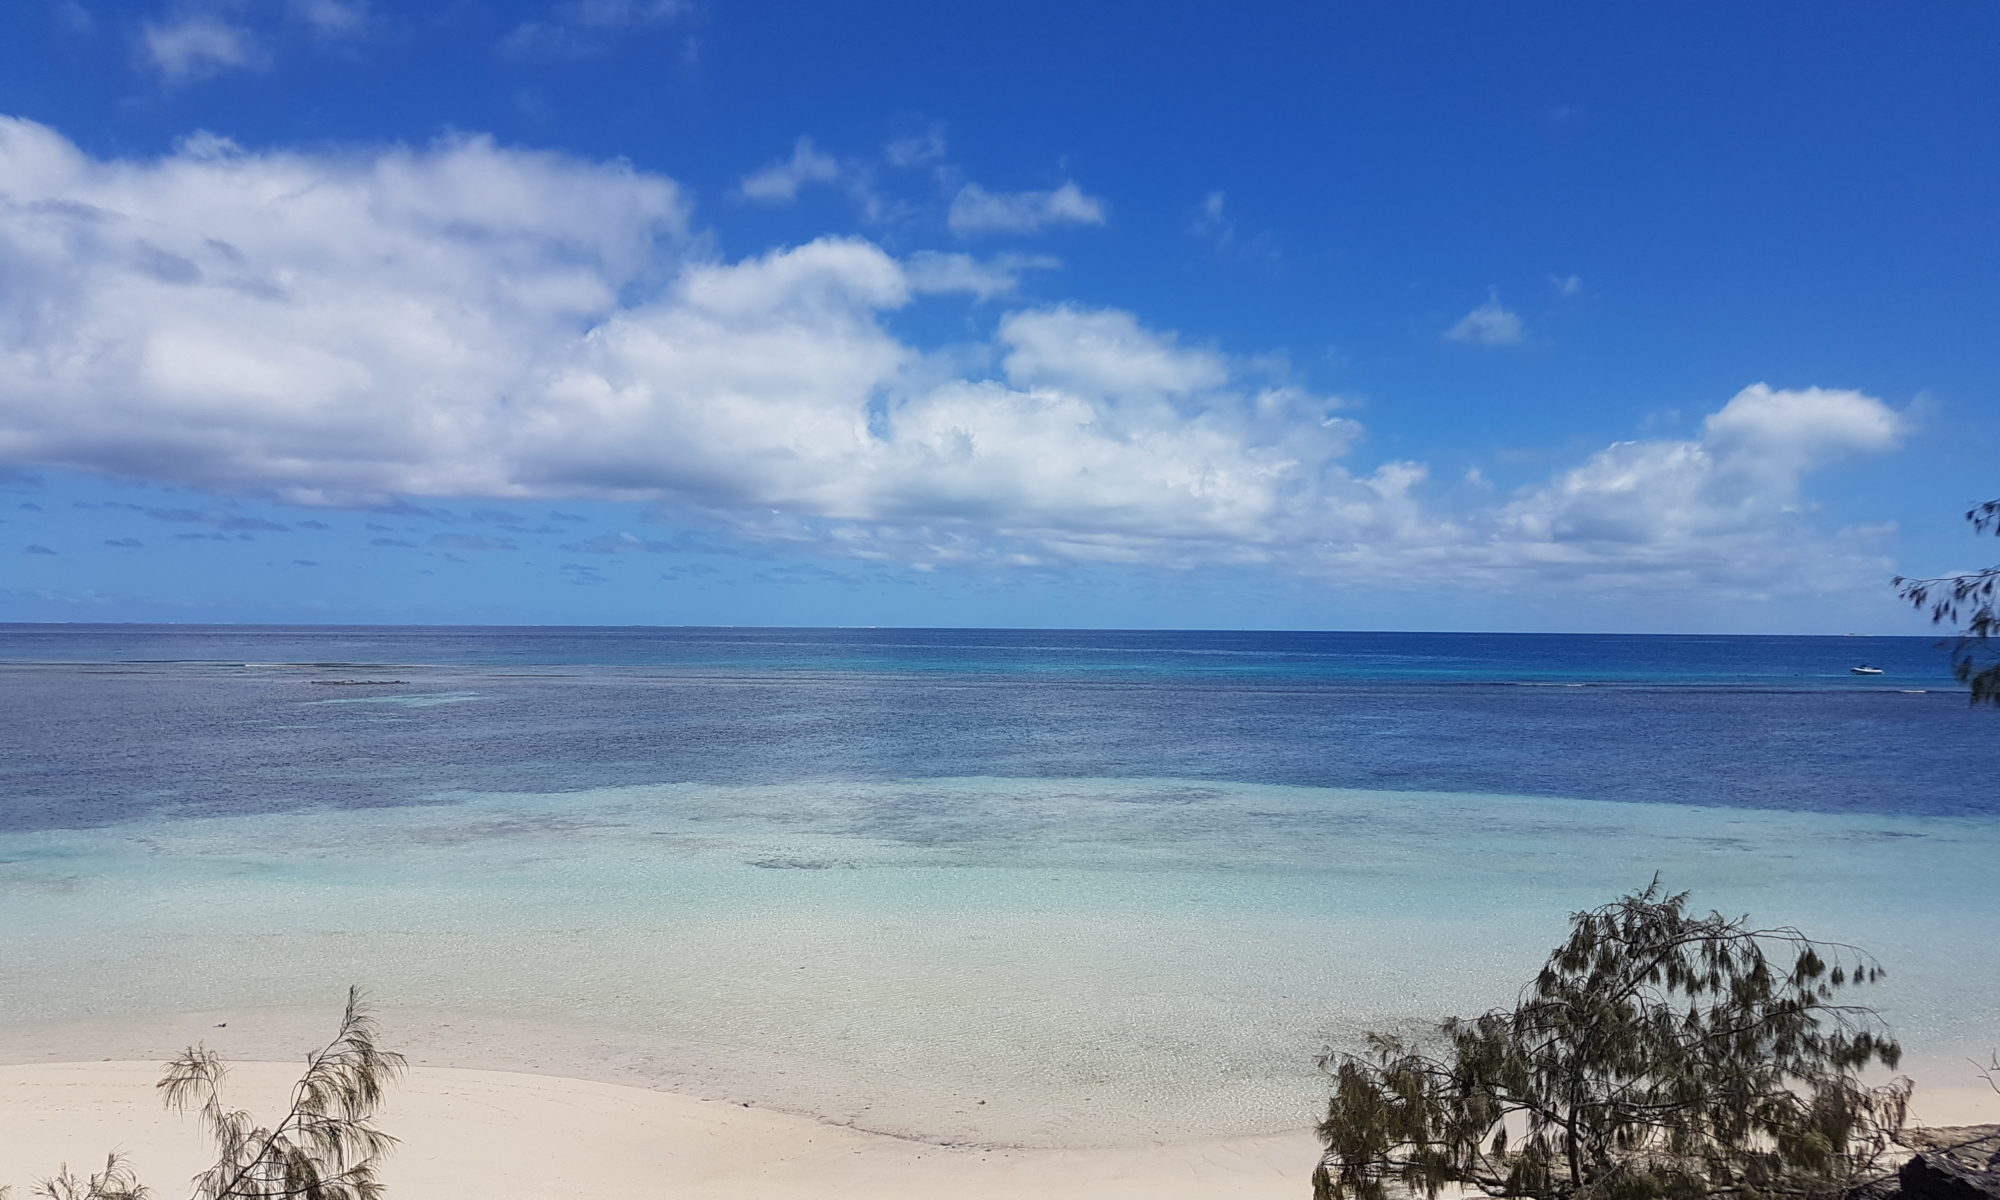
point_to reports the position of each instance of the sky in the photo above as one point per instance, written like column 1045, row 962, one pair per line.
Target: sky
column 1335, row 316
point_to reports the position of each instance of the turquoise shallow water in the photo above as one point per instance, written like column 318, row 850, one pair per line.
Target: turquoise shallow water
column 1114, row 904
column 1112, row 958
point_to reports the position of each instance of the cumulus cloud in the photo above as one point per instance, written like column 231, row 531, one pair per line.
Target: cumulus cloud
column 474, row 321
column 976, row 210
column 198, row 45
column 1103, row 353
column 318, row 327
column 1488, row 325
column 1794, row 429
column 1723, row 507
column 779, row 182
column 459, row 321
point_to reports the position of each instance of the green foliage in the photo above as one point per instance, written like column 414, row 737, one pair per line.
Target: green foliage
column 1968, row 601
column 326, row 1146
column 1658, row 1056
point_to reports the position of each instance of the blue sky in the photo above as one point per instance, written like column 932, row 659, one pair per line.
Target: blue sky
column 1328, row 316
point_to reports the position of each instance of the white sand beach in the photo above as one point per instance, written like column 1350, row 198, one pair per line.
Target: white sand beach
column 505, row 1135
column 508, row 1134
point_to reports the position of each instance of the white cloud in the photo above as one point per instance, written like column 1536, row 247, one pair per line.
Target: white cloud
column 470, row 320
column 770, row 385
column 1566, row 285
column 1792, row 429
column 1103, row 353
column 323, row 325
column 780, row 181
column 984, row 279
column 1725, row 507
column 1488, row 325
column 976, row 210
column 197, row 46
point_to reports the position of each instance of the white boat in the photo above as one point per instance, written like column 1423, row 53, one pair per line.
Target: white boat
column 1865, row 670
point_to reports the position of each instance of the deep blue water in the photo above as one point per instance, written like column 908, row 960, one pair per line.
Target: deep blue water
column 1732, row 661
column 109, row 723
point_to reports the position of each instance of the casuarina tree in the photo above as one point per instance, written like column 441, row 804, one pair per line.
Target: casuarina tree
column 1967, row 600
column 1659, row 1055
column 325, row 1145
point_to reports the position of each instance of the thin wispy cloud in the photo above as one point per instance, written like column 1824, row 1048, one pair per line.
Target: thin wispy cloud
column 779, row 182
column 1210, row 221
column 1213, row 224
column 1490, row 324
column 580, row 28
column 917, row 149
column 984, row 279
column 470, row 541
column 974, row 210
column 193, row 42
column 333, row 20
column 197, row 46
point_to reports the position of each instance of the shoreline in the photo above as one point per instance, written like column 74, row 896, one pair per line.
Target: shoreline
column 509, row 1135
column 783, row 1084
column 513, row 1136
column 1949, row 1091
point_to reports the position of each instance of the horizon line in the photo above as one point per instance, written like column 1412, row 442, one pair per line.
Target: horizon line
column 5, row 624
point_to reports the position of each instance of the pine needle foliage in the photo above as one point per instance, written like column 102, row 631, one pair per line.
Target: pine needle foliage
column 1970, row 600
column 325, row 1147
column 1658, row 1056
column 116, row 1182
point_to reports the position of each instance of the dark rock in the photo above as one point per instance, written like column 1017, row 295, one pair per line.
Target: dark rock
column 1955, row 1164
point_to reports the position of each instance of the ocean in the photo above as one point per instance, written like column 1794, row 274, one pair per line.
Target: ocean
column 1002, row 886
